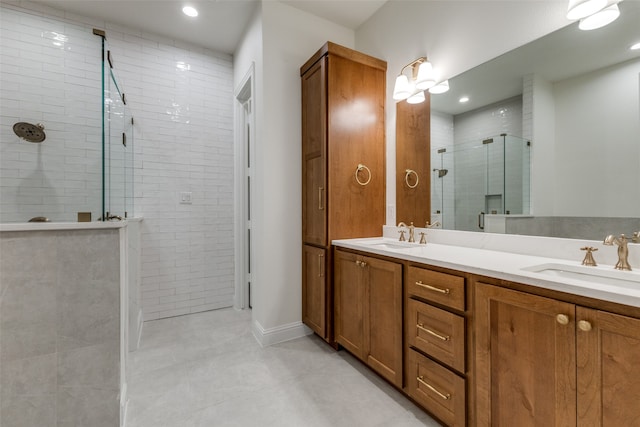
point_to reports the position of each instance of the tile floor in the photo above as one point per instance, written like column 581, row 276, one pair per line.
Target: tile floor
column 207, row 369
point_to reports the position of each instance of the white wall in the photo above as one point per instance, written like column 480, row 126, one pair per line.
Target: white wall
column 598, row 118
column 455, row 35
column 289, row 38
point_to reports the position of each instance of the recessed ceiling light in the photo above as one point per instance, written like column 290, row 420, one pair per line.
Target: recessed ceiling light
column 464, row 99
column 635, row 46
column 190, row 11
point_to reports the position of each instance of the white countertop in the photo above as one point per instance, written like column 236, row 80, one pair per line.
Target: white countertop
column 507, row 266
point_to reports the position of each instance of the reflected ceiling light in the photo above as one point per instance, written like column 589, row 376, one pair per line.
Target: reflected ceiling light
column 600, row 19
column 441, row 87
column 416, row 98
column 635, row 46
column 422, row 78
column 579, row 9
column 464, row 99
column 190, row 11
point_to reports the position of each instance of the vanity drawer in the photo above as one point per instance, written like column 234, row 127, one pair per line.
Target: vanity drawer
column 436, row 332
column 442, row 288
column 437, row 389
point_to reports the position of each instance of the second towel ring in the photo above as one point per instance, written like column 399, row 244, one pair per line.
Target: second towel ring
column 406, row 178
column 358, row 169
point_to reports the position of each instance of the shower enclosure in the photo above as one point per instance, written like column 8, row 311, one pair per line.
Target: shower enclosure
column 66, row 131
column 473, row 179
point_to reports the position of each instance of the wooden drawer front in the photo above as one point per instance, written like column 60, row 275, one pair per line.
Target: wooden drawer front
column 437, row 389
column 441, row 288
column 437, row 333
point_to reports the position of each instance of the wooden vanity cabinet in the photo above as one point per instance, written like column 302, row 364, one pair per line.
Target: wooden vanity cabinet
column 541, row 361
column 343, row 164
column 368, row 311
column 435, row 351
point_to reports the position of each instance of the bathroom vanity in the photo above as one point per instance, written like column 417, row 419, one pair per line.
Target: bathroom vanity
column 479, row 337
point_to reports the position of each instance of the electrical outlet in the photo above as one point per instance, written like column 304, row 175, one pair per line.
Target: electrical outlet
column 185, row 198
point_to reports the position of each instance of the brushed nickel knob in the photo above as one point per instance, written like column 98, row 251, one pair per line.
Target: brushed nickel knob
column 563, row 319
column 584, row 325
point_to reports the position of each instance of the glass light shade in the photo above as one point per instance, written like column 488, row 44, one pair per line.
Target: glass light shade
column 416, row 98
column 600, row 19
column 579, row 9
column 402, row 89
column 635, row 46
column 441, row 87
column 425, row 78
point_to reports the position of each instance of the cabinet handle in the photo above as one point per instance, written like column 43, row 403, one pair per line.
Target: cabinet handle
column 408, row 174
column 584, row 325
column 358, row 169
column 433, row 389
column 320, row 205
column 321, row 265
column 430, row 332
column 563, row 319
column 432, row 288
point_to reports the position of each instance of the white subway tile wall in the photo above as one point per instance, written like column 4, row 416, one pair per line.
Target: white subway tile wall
column 182, row 102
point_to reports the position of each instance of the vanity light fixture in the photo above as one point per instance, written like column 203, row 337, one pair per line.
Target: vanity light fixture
column 190, row 11
column 422, row 78
column 593, row 13
column 441, row 87
column 600, row 19
column 579, row 9
column 635, row 46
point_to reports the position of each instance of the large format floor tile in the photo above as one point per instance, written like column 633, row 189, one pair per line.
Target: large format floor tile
column 206, row 370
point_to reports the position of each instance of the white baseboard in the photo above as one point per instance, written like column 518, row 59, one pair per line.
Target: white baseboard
column 270, row 336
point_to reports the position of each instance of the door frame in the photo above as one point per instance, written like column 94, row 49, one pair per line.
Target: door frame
column 243, row 95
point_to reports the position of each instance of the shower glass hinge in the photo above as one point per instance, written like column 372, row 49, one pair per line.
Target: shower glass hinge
column 442, row 150
column 124, row 139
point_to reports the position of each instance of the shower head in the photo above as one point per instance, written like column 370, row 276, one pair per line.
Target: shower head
column 30, row 132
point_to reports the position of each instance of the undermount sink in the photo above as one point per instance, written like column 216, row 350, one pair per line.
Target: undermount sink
column 588, row 274
column 388, row 244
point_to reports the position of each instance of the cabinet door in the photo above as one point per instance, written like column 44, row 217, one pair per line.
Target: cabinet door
column 356, row 98
column 314, row 289
column 349, row 303
column 384, row 318
column 608, row 369
column 314, row 146
column 525, row 359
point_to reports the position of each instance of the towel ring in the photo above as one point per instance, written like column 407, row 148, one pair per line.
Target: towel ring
column 358, row 169
column 406, row 178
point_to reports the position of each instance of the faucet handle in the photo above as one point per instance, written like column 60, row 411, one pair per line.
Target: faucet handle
column 636, row 237
column 588, row 257
column 402, row 238
column 423, row 238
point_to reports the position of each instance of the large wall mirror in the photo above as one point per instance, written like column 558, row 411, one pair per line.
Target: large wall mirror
column 548, row 142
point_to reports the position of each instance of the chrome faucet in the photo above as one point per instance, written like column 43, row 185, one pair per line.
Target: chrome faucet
column 623, row 250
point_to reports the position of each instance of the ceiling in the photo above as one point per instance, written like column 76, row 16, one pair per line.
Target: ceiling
column 220, row 24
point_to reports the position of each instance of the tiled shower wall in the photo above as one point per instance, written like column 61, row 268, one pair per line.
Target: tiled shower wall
column 181, row 98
